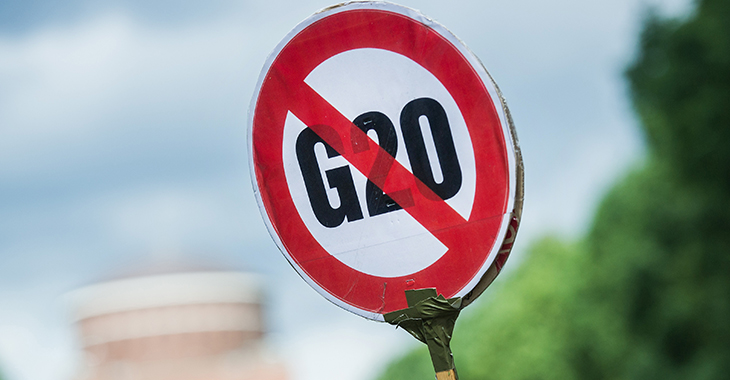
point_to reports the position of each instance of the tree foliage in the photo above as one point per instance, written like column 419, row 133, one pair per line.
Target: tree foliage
column 646, row 294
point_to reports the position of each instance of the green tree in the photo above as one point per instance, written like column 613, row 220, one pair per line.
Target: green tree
column 646, row 294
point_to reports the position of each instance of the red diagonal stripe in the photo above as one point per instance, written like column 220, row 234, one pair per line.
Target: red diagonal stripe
column 338, row 131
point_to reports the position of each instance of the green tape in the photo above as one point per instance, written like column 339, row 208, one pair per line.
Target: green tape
column 430, row 318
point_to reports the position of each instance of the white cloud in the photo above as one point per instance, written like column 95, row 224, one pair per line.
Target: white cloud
column 26, row 343
column 175, row 216
column 350, row 350
column 164, row 217
column 33, row 335
column 73, row 87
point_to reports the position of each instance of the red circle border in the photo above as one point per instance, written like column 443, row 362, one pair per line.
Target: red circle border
column 471, row 243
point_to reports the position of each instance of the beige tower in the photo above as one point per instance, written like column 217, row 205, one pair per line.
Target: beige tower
column 176, row 326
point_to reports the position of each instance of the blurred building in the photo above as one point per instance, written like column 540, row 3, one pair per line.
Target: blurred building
column 190, row 325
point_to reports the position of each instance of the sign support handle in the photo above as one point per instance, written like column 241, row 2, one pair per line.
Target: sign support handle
column 430, row 318
column 447, row 375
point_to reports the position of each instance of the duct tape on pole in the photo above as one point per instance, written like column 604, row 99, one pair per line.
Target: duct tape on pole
column 384, row 159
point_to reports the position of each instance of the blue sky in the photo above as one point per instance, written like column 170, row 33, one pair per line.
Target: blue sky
column 123, row 140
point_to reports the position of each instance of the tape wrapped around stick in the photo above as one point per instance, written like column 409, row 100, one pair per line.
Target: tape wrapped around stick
column 430, row 318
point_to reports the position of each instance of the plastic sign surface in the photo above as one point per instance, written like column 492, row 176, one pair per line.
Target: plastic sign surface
column 382, row 158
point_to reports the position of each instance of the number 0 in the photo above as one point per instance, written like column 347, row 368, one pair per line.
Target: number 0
column 444, row 142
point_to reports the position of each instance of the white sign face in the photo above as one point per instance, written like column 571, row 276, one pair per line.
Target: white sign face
column 391, row 244
column 382, row 158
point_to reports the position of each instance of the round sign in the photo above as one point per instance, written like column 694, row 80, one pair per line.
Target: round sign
column 383, row 158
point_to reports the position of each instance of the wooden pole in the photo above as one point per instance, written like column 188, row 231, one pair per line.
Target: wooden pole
column 446, row 375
